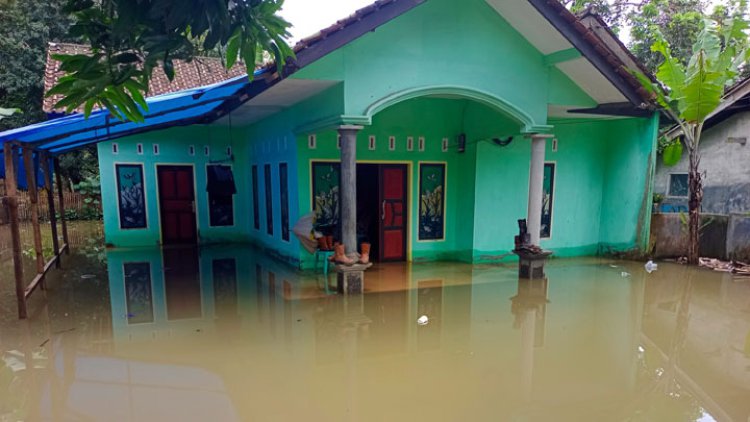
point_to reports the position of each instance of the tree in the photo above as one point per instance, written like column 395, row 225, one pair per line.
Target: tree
column 689, row 93
column 26, row 30
column 131, row 38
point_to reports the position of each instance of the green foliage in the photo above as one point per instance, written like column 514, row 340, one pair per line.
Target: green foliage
column 131, row 38
column 79, row 165
column 91, row 191
column 672, row 154
column 27, row 27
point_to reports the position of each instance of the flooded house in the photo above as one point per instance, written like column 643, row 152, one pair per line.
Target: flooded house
column 426, row 128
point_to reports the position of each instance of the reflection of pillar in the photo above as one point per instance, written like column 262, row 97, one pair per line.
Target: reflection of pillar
column 349, row 187
column 536, row 186
column 528, row 333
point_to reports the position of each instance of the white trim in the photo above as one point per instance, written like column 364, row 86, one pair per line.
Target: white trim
column 421, row 146
column 445, row 144
column 156, row 149
column 391, row 143
column 372, row 143
column 312, row 141
column 410, row 143
column 207, row 150
column 115, row 148
column 191, row 150
column 139, row 148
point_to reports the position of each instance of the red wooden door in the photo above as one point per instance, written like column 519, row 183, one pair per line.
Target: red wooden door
column 177, row 204
column 393, row 212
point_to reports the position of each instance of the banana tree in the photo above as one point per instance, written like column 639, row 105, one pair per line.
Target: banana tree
column 690, row 94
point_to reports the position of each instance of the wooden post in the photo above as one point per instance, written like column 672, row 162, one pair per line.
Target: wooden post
column 9, row 150
column 51, row 205
column 28, row 162
column 62, row 206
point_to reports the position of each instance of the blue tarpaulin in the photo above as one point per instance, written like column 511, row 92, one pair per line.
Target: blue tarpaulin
column 191, row 106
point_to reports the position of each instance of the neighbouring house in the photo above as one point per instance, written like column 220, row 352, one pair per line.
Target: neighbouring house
column 454, row 117
column 725, row 155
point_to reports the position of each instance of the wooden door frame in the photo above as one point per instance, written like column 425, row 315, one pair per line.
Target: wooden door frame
column 406, row 215
column 158, row 198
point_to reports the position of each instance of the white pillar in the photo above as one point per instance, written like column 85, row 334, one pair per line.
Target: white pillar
column 348, row 188
column 536, row 186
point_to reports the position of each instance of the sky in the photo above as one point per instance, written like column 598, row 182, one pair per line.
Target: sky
column 310, row 16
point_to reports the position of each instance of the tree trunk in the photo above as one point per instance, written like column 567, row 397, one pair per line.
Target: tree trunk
column 695, row 185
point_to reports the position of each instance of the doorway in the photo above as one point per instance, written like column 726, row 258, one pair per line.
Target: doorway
column 382, row 209
column 177, row 205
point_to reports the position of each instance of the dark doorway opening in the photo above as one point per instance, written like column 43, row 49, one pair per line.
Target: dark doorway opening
column 382, row 210
column 368, row 224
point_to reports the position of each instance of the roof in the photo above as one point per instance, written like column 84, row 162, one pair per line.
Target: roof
column 207, row 104
column 201, row 71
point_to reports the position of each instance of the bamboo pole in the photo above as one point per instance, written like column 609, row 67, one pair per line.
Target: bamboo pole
column 28, row 163
column 62, row 206
column 11, row 188
column 51, row 207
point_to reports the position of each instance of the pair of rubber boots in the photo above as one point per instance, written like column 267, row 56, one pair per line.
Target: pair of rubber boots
column 340, row 257
column 325, row 243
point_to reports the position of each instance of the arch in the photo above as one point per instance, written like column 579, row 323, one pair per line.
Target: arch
column 524, row 119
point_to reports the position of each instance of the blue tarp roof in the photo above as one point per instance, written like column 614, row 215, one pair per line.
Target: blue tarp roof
column 191, row 106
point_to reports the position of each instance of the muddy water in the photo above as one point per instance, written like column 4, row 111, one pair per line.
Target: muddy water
column 227, row 334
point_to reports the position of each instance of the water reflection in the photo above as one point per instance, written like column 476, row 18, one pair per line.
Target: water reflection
column 225, row 333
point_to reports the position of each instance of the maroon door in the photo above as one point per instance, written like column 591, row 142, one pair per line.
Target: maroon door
column 177, row 204
column 393, row 213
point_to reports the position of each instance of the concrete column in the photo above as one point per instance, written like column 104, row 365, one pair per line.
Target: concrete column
column 348, row 188
column 536, row 186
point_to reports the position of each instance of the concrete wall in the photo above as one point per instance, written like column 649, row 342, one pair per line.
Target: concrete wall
column 724, row 237
column 727, row 182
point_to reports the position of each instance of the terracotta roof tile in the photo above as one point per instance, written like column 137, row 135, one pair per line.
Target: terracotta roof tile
column 200, row 72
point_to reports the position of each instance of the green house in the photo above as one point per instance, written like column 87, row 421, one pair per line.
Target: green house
column 427, row 128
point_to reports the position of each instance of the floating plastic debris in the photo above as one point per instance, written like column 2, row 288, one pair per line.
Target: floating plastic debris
column 625, row 274
column 423, row 320
column 651, row 267
column 87, row 276
column 613, row 266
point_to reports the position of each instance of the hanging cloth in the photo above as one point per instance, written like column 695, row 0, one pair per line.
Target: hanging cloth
column 220, row 180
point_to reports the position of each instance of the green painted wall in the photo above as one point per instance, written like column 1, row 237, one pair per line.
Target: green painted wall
column 444, row 68
column 463, row 44
column 433, row 119
column 173, row 149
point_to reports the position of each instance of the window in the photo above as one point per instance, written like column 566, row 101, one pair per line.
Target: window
column 256, row 206
column 445, row 145
column 139, row 149
column 156, row 149
column 131, row 199
column 191, row 150
column 221, row 190
column 392, row 143
column 547, row 198
column 269, row 199
column 206, row 150
column 229, row 151
column 338, row 141
column 312, row 142
column 115, row 148
column 410, row 143
column 284, row 187
column 371, row 143
column 678, row 185
column 421, row 143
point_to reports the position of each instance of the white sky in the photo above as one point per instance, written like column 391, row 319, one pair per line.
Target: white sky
column 310, row 16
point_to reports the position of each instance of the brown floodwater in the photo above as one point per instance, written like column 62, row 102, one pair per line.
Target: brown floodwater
column 227, row 333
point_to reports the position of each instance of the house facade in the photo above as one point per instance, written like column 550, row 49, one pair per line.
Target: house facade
column 445, row 100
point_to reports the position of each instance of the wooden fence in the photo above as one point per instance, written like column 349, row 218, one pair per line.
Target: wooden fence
column 74, row 202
